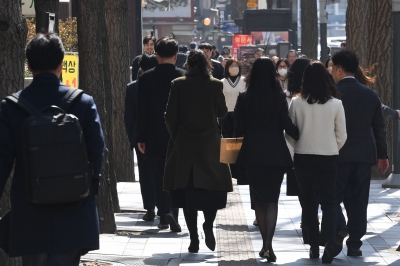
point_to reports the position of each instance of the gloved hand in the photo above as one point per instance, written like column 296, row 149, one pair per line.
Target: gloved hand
column 95, row 186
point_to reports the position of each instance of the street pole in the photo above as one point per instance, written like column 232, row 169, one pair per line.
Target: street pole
column 293, row 32
column 393, row 181
column 323, row 17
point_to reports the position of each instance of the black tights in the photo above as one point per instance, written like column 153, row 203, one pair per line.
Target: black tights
column 191, row 221
column 266, row 214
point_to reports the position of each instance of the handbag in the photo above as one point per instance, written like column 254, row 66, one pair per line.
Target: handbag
column 230, row 148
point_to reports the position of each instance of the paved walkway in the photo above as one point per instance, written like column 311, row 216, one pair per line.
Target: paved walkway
column 238, row 241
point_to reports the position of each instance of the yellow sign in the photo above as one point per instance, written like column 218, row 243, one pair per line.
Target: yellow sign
column 252, row 4
column 70, row 70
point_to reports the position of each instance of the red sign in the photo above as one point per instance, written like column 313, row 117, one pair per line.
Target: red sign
column 240, row 40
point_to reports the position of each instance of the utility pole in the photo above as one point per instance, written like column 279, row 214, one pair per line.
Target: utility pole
column 323, row 17
column 393, row 181
column 294, row 30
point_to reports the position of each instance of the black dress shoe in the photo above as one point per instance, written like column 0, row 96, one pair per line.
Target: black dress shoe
column 338, row 245
column 314, row 252
column 149, row 216
column 255, row 223
column 194, row 245
column 268, row 253
column 328, row 253
column 354, row 252
column 209, row 235
column 173, row 222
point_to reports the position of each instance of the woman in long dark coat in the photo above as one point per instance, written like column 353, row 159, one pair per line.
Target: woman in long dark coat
column 262, row 116
column 193, row 173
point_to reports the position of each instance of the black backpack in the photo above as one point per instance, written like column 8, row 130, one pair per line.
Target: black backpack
column 56, row 167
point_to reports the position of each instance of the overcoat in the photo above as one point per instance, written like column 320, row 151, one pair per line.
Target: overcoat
column 195, row 103
column 33, row 228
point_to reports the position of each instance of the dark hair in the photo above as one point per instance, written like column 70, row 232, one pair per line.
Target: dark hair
column 213, row 47
column 263, row 90
column 363, row 77
column 197, row 59
column 295, row 75
column 229, row 62
column 192, row 45
column 327, row 61
column 148, row 38
column 183, row 49
column 45, row 52
column 225, row 52
column 347, row 60
column 166, row 47
column 205, row 45
column 317, row 85
column 258, row 50
column 147, row 61
column 343, row 44
column 280, row 61
column 291, row 51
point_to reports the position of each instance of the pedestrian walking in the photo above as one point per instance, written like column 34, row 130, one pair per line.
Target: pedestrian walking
column 291, row 56
column 182, row 56
column 194, row 176
column 320, row 118
column 262, row 116
column 282, row 67
column 218, row 69
column 37, row 228
column 152, row 138
column 146, row 62
column 363, row 111
column 148, row 48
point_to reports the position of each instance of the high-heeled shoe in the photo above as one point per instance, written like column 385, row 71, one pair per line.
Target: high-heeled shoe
column 194, row 245
column 209, row 237
column 268, row 253
column 314, row 252
column 328, row 253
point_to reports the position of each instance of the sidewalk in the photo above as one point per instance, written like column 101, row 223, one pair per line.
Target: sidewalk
column 238, row 241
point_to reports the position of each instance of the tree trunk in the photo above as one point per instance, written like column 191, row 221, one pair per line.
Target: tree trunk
column 117, row 26
column 369, row 29
column 12, row 58
column 309, row 28
column 94, row 75
column 41, row 7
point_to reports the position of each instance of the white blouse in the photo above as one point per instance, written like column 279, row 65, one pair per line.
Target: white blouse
column 231, row 91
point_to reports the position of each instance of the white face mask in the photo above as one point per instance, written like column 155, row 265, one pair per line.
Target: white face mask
column 330, row 70
column 282, row 72
column 233, row 71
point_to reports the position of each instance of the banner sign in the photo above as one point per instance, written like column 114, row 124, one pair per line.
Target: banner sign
column 238, row 41
column 70, row 70
column 28, row 8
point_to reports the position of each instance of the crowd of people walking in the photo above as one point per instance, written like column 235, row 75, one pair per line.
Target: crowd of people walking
column 317, row 123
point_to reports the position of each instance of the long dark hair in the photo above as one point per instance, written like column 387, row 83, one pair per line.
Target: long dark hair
column 295, row 75
column 263, row 91
column 317, row 84
column 197, row 59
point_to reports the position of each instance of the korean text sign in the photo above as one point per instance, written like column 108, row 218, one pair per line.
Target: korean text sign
column 238, row 41
column 70, row 70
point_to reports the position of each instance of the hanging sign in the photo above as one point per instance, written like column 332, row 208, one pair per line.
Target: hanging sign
column 238, row 41
column 70, row 70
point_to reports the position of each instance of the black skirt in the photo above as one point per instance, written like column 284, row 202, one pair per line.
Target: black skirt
column 198, row 198
column 265, row 183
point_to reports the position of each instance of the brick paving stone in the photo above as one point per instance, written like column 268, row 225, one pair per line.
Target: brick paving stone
column 233, row 236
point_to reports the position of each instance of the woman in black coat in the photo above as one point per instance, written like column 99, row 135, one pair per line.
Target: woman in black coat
column 262, row 116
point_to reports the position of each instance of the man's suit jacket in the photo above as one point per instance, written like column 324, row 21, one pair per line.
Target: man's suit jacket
column 363, row 111
column 154, row 88
column 218, row 69
column 130, row 115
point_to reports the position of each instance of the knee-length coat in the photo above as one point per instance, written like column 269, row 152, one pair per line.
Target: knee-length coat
column 195, row 103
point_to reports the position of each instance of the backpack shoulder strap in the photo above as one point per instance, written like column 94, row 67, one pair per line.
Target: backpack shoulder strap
column 21, row 102
column 69, row 98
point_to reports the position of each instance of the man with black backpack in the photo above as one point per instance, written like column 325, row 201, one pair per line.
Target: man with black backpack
column 52, row 136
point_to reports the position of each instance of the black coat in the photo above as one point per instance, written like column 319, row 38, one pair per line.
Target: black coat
column 264, row 142
column 33, row 228
column 181, row 60
column 390, row 112
column 218, row 69
column 363, row 111
column 130, row 115
column 154, row 88
column 135, row 67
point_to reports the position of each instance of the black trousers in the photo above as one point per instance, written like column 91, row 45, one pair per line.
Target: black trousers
column 316, row 175
column 145, row 180
column 68, row 258
column 352, row 188
column 163, row 199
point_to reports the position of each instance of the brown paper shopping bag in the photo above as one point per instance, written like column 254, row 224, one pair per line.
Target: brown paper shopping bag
column 230, row 148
